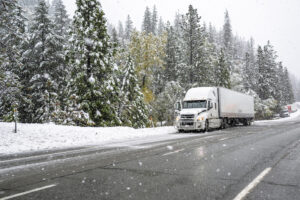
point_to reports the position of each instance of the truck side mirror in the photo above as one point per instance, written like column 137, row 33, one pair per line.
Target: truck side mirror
column 177, row 106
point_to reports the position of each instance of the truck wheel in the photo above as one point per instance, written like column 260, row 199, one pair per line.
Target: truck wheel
column 249, row 122
column 223, row 124
column 246, row 123
column 206, row 126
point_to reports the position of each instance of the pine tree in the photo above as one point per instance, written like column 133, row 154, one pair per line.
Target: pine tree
column 61, row 29
column 222, row 73
column 132, row 110
column 288, row 90
column 194, row 39
column 121, row 34
column 250, row 71
column 93, row 88
column 271, row 78
column 266, row 63
column 154, row 21
column 212, row 34
column 280, row 85
column 147, row 23
column 114, row 37
column 128, row 27
column 227, row 34
column 12, row 38
column 41, row 69
column 172, row 58
column 262, row 87
column 161, row 26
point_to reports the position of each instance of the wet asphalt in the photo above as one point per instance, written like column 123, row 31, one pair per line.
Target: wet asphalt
column 216, row 165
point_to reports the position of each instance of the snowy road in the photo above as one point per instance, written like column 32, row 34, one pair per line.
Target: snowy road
column 257, row 162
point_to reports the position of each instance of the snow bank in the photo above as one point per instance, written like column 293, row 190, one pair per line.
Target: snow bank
column 32, row 137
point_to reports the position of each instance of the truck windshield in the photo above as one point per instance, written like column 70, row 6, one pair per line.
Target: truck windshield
column 194, row 104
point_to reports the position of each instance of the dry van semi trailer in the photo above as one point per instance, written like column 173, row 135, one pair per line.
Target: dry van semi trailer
column 204, row 108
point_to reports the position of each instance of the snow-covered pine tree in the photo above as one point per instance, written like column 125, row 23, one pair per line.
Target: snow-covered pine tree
column 247, row 73
column 262, row 86
column 132, row 110
column 173, row 57
column 41, row 69
column 271, row 77
column 222, row 73
column 266, row 63
column 154, row 21
column 193, row 48
column 212, row 34
column 114, row 37
column 12, row 38
column 128, row 27
column 227, row 34
column 121, row 34
column 280, row 85
column 161, row 27
column 61, row 29
column 250, row 71
column 93, row 89
column 120, row 30
column 288, row 94
column 147, row 23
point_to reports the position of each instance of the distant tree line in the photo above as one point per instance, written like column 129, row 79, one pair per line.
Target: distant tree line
column 87, row 72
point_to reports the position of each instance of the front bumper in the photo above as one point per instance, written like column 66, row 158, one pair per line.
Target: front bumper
column 191, row 125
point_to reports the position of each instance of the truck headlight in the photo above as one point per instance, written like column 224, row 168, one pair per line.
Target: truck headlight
column 200, row 118
column 177, row 118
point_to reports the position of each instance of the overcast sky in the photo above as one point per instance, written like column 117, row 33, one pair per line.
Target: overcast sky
column 274, row 20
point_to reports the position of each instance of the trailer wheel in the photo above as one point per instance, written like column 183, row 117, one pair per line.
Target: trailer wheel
column 206, row 126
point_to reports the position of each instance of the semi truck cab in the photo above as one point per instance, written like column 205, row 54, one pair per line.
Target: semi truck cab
column 198, row 110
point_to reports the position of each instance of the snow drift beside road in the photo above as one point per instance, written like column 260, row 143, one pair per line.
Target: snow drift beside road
column 32, row 137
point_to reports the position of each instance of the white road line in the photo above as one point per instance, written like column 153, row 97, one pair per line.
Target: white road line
column 172, row 152
column 27, row 192
column 251, row 185
column 211, row 136
column 223, row 139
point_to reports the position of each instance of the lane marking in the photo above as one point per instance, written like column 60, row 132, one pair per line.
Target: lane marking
column 172, row 152
column 27, row 192
column 251, row 185
column 211, row 136
column 222, row 139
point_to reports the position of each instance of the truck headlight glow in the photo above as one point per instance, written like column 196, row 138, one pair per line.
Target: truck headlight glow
column 177, row 118
column 200, row 118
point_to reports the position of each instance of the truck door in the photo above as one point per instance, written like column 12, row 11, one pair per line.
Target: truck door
column 213, row 114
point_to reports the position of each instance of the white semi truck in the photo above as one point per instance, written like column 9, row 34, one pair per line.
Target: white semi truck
column 204, row 108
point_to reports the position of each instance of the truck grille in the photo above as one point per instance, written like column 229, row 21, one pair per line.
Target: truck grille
column 187, row 120
column 187, row 117
column 187, row 124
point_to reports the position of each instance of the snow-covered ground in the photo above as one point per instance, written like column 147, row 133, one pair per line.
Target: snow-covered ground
column 33, row 137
